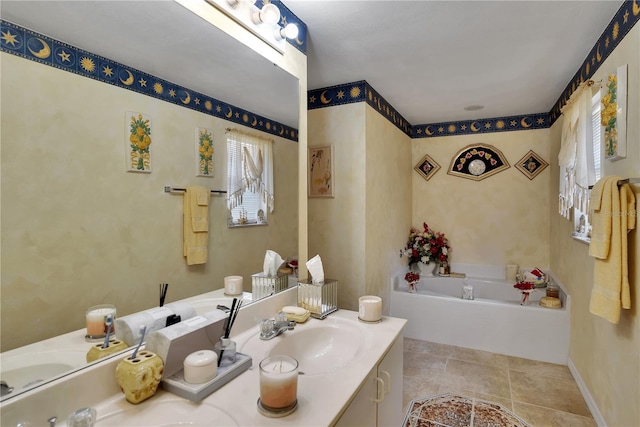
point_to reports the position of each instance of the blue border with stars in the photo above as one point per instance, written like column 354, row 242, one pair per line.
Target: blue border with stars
column 626, row 17
column 28, row 44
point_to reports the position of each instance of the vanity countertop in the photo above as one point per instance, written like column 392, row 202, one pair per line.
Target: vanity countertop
column 322, row 398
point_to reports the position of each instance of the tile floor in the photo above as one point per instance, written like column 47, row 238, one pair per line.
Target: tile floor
column 542, row 394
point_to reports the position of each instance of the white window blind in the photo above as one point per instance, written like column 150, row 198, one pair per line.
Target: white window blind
column 597, row 140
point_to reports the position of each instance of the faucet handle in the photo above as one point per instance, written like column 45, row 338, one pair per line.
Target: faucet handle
column 280, row 317
column 266, row 327
column 52, row 421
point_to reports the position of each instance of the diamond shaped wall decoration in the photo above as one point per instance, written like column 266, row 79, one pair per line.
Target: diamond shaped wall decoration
column 427, row 167
column 531, row 164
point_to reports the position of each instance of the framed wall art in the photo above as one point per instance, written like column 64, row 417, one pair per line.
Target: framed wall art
column 613, row 115
column 531, row 164
column 204, row 152
column 426, row 167
column 138, row 142
column 320, row 173
column 477, row 162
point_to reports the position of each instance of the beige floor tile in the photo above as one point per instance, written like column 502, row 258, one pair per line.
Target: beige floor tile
column 418, row 361
column 540, row 368
column 554, row 393
column 417, row 387
column 479, row 356
column 432, row 348
column 461, row 390
column 478, row 378
column 538, row 416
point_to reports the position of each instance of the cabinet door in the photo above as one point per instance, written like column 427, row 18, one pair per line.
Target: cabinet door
column 390, row 372
column 362, row 410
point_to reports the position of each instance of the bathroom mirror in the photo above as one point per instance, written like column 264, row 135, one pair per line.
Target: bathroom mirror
column 72, row 236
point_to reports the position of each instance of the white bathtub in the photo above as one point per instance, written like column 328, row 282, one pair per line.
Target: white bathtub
column 493, row 321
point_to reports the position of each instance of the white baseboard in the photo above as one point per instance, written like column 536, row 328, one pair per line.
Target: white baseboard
column 595, row 412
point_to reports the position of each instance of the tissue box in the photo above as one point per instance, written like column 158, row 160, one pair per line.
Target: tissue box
column 263, row 285
column 321, row 299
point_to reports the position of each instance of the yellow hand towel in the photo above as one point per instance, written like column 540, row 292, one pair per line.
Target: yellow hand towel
column 600, row 203
column 195, row 226
column 611, row 290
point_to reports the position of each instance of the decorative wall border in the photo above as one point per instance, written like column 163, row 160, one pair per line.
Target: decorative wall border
column 28, row 44
column 350, row 93
column 626, row 17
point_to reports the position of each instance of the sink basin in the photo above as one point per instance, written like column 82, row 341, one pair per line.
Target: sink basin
column 319, row 348
column 166, row 413
column 26, row 371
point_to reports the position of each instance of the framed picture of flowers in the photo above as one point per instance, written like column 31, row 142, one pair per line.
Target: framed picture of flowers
column 138, row 142
column 613, row 115
column 204, row 152
column 320, row 173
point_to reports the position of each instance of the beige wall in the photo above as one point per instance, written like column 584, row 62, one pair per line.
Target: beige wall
column 78, row 230
column 359, row 232
column 500, row 220
column 606, row 356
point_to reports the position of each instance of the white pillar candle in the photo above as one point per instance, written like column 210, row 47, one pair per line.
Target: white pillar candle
column 96, row 317
column 370, row 308
column 233, row 285
column 278, row 381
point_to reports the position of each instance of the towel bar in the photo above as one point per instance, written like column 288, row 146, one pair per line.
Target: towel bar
column 168, row 189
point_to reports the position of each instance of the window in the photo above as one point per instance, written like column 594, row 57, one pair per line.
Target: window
column 582, row 226
column 249, row 178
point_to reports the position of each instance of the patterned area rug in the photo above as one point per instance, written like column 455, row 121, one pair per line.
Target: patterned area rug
column 452, row 410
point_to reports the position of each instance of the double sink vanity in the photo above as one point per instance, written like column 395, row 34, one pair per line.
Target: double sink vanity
column 350, row 373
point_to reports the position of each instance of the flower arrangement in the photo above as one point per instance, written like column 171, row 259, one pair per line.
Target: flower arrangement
column 525, row 288
column 426, row 245
column 412, row 277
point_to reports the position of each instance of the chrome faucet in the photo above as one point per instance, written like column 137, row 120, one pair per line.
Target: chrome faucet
column 272, row 328
column 5, row 388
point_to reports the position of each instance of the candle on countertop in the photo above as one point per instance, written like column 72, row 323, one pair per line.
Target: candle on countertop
column 370, row 308
column 96, row 317
column 233, row 285
column 278, row 381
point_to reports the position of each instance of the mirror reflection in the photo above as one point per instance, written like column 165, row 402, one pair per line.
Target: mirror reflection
column 78, row 228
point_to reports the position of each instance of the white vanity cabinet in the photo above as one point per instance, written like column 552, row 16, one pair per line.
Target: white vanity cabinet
column 379, row 400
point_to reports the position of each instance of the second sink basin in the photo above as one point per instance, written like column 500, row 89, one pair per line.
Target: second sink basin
column 320, row 347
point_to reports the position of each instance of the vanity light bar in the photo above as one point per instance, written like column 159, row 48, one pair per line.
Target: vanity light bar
column 168, row 189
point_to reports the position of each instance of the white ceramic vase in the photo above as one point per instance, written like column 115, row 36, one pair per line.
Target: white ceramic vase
column 426, row 269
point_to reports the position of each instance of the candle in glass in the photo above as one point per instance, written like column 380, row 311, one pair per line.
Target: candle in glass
column 96, row 317
column 278, row 382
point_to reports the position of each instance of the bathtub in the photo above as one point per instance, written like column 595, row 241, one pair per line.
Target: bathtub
column 493, row 321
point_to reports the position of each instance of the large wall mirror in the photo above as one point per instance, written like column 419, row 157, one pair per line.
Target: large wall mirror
column 77, row 228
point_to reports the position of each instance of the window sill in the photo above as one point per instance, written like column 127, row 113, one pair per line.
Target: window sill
column 249, row 224
column 584, row 239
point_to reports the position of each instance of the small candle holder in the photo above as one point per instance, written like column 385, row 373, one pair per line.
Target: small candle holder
column 278, row 386
column 370, row 309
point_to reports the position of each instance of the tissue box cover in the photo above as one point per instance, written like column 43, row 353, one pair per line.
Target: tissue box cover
column 263, row 285
column 320, row 299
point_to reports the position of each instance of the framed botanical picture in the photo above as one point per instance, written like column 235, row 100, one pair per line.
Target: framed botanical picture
column 613, row 115
column 320, row 172
column 138, row 142
column 204, row 152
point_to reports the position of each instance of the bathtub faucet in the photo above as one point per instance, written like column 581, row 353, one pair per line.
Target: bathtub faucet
column 467, row 290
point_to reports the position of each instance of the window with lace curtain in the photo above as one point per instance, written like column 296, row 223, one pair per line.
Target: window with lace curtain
column 250, row 194
column 581, row 222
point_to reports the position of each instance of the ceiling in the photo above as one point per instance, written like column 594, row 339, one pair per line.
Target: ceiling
column 431, row 59
column 428, row 59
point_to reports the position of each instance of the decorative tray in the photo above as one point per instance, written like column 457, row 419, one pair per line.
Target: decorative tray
column 196, row 392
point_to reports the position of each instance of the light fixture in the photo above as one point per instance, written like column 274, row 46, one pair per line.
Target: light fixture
column 269, row 14
column 288, row 32
column 474, row 107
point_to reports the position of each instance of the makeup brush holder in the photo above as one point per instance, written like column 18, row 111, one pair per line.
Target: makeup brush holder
column 139, row 377
column 321, row 299
column 226, row 351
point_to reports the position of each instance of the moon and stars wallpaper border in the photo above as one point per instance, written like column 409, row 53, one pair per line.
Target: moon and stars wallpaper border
column 28, row 44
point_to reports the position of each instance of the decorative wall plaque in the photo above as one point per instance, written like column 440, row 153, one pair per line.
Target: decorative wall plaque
column 426, row 167
column 478, row 162
column 531, row 164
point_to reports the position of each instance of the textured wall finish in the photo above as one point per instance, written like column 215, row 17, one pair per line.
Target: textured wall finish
column 606, row 356
column 502, row 219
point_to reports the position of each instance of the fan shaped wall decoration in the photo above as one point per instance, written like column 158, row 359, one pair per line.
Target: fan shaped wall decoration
column 531, row 164
column 426, row 167
column 477, row 162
